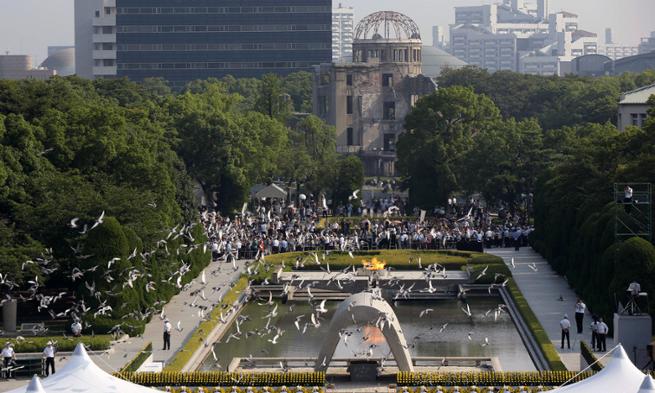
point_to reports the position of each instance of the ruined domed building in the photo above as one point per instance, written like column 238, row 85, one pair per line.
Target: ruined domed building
column 367, row 100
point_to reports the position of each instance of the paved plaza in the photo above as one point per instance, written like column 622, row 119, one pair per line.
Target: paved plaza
column 542, row 289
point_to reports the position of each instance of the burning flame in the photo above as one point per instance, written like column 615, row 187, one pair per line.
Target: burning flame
column 374, row 264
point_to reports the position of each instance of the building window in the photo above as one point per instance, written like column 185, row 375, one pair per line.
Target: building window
column 349, row 79
column 642, row 119
column 107, row 10
column 350, row 135
column 389, row 111
column 635, row 119
column 387, row 80
column 97, row 14
column 107, row 30
column 389, row 142
column 349, row 105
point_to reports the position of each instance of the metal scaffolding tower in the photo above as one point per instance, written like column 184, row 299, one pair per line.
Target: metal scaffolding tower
column 636, row 217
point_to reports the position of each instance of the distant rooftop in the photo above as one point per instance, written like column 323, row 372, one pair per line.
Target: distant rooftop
column 638, row 96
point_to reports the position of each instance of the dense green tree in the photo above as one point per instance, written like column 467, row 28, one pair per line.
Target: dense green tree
column 440, row 132
column 349, row 177
column 299, row 87
column 272, row 100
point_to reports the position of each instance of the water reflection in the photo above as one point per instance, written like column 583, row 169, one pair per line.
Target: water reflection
column 462, row 336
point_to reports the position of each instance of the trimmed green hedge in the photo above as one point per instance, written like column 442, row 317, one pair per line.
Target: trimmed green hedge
column 64, row 344
column 183, row 356
column 589, row 357
column 135, row 363
column 547, row 348
column 493, row 378
column 203, row 378
column 103, row 325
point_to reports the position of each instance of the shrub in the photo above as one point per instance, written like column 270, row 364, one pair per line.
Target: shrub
column 103, row 325
column 589, row 357
column 64, row 344
column 537, row 330
column 197, row 339
column 135, row 363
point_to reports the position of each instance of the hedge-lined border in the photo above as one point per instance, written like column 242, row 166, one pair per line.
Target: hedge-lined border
column 589, row 357
column 492, row 378
column 224, row 378
column 63, row 344
column 138, row 360
column 538, row 332
column 194, row 342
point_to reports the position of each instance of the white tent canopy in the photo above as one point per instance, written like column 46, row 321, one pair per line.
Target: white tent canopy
column 620, row 375
column 81, row 375
column 648, row 386
column 270, row 191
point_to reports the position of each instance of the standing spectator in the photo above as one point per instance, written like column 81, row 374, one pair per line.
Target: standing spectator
column 565, row 324
column 516, row 236
column 8, row 358
column 167, row 334
column 602, row 331
column 594, row 332
column 76, row 328
column 49, row 356
column 579, row 314
column 627, row 193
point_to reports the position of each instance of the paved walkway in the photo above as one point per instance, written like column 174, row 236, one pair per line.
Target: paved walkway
column 219, row 275
column 542, row 289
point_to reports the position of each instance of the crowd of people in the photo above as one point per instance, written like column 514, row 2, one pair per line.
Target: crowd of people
column 276, row 227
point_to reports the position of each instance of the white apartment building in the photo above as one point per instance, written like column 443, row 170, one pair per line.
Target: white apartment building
column 616, row 51
column 647, row 44
column 539, row 43
column 95, row 38
column 477, row 46
column 342, row 34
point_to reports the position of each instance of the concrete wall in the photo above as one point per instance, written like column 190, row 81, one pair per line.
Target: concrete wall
column 626, row 112
column 84, row 13
column 633, row 332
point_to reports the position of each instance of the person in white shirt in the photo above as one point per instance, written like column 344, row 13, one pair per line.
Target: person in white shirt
column 601, row 331
column 8, row 357
column 627, row 192
column 579, row 314
column 49, row 356
column 565, row 325
column 76, row 328
column 167, row 334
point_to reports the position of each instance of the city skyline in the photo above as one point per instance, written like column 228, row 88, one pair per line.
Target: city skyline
column 30, row 26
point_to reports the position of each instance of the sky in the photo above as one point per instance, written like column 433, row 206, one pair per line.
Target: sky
column 29, row 26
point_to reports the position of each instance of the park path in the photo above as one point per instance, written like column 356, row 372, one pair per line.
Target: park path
column 542, row 289
column 219, row 275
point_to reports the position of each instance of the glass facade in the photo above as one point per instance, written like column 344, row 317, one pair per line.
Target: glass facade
column 181, row 41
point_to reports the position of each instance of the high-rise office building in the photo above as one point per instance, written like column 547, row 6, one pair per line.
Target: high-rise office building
column 608, row 36
column 181, row 41
column 342, row 33
column 438, row 37
column 95, row 38
column 647, row 44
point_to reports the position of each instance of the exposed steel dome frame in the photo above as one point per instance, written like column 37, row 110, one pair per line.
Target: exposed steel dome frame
column 388, row 25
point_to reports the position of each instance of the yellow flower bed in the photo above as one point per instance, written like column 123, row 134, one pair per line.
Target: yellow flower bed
column 498, row 378
column 224, row 378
